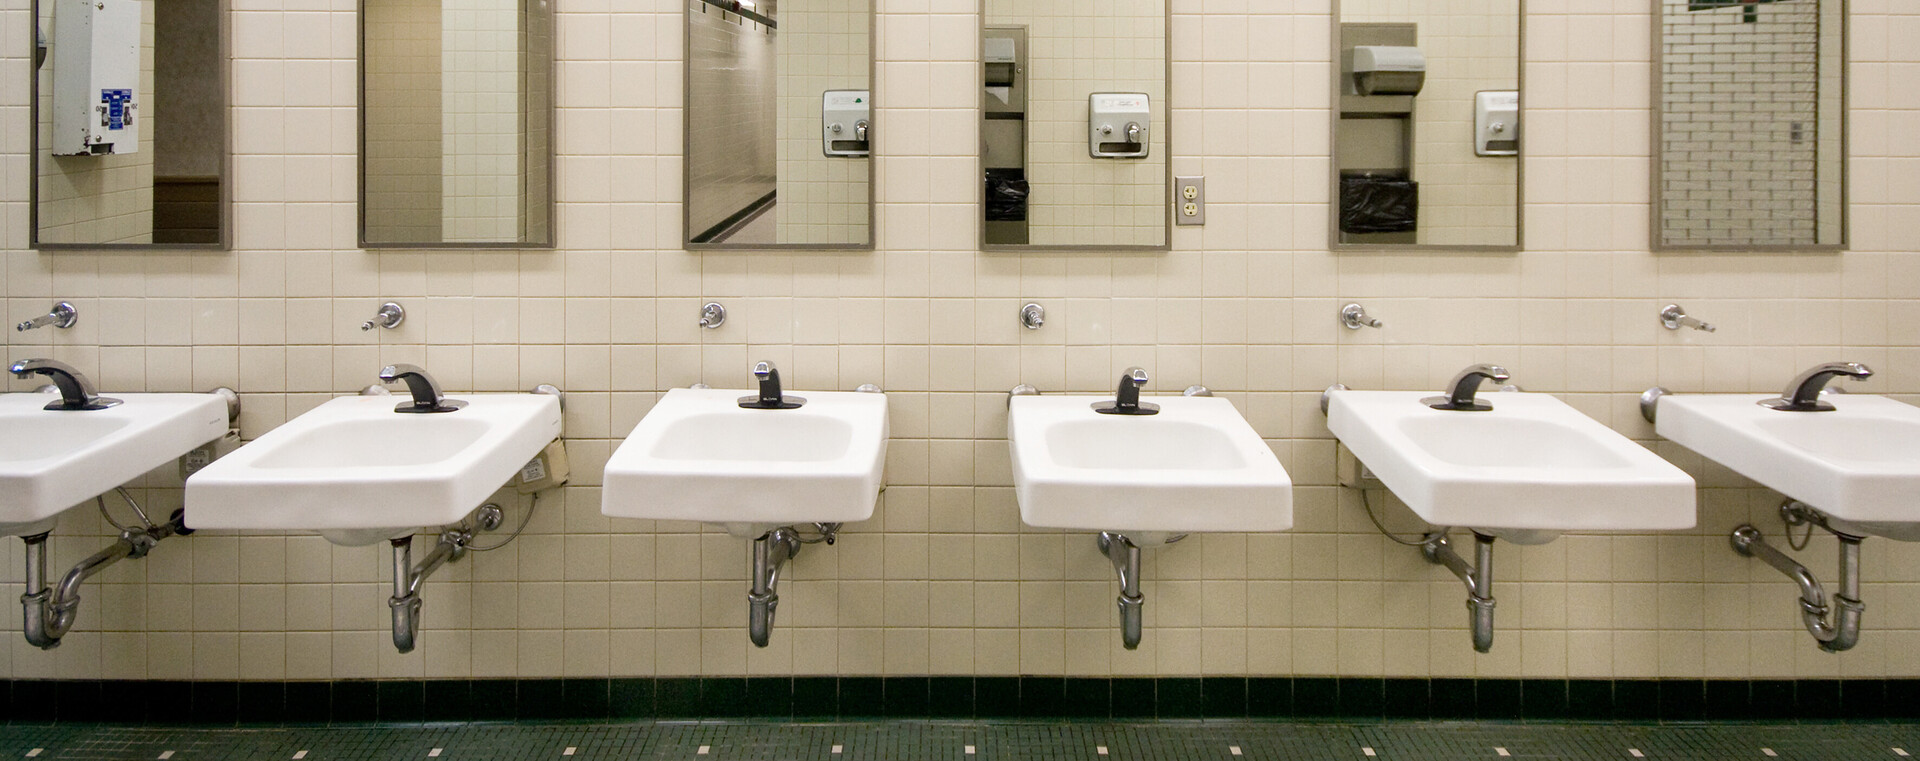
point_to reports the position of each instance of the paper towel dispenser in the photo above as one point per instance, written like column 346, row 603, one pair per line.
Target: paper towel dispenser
column 1002, row 60
column 846, row 122
column 1388, row 70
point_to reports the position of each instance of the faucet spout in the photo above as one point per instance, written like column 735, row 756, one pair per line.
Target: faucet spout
column 1803, row 393
column 425, row 391
column 1126, row 398
column 1461, row 391
column 770, row 396
column 76, row 392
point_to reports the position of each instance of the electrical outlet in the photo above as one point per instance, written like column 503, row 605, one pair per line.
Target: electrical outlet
column 1191, row 208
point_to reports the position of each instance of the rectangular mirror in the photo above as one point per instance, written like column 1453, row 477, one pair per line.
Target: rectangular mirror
column 456, row 124
column 1750, row 125
column 1427, row 128
column 779, row 124
column 1073, row 125
column 130, row 117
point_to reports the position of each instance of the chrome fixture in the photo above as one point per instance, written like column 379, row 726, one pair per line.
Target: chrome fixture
column 1032, row 316
column 1803, row 393
column 63, row 316
column 770, row 397
column 1125, row 556
column 1463, row 388
column 1021, row 390
column 426, row 393
column 868, row 388
column 390, row 316
column 1355, row 317
column 1478, row 577
column 1834, row 630
column 48, row 613
column 713, row 315
column 1126, row 399
column 1650, row 402
column 548, row 389
column 455, row 541
column 76, row 392
column 771, row 551
column 1197, row 390
column 1676, row 318
column 1326, row 397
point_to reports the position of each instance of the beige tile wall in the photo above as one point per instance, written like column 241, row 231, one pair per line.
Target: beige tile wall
column 944, row 579
column 823, row 45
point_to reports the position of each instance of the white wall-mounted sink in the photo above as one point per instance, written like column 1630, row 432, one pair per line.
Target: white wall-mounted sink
column 1197, row 466
column 52, row 460
column 699, row 456
column 1859, row 462
column 1531, row 463
column 357, row 471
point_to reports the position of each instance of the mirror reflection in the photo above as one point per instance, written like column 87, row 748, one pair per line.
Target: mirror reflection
column 779, row 124
column 1073, row 125
column 456, row 123
column 130, row 123
column 1427, row 132
column 1751, row 124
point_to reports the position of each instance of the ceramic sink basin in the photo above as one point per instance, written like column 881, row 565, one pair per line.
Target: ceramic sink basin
column 1530, row 463
column 699, row 456
column 53, row 460
column 1859, row 462
column 1196, row 466
column 354, row 465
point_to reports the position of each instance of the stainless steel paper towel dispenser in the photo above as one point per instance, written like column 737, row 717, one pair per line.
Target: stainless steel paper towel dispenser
column 1388, row 70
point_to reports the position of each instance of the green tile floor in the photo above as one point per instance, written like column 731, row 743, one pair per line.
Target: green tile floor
column 975, row 741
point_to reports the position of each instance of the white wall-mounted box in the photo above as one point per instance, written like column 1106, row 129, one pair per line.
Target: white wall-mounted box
column 96, row 77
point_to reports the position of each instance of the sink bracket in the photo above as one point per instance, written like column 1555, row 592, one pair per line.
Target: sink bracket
column 454, row 543
column 1125, row 556
column 1835, row 627
column 48, row 613
column 1478, row 577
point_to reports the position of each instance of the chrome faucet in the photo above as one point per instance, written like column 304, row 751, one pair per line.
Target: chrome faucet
column 769, row 397
column 1462, row 389
column 426, row 393
column 76, row 392
column 1803, row 394
column 1126, row 399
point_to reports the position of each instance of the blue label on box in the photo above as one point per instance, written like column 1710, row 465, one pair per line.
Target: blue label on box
column 116, row 101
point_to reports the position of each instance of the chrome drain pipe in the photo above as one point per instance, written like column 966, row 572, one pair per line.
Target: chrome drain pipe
column 455, row 541
column 1478, row 578
column 1125, row 556
column 771, row 551
column 47, row 614
column 1835, row 630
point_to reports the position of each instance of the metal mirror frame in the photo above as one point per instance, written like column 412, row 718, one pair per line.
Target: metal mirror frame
column 553, row 140
column 980, row 164
column 226, row 153
column 1519, row 171
column 1656, row 242
column 877, row 125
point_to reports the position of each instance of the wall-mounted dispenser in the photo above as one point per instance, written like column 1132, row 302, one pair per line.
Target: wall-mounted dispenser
column 96, row 77
column 1382, row 69
column 1003, row 133
column 1117, row 124
column 846, row 122
column 1496, row 123
column 1387, row 69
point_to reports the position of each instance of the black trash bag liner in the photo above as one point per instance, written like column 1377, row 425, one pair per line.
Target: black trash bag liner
column 1007, row 192
column 1378, row 204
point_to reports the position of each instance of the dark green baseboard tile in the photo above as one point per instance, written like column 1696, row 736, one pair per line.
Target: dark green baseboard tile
column 826, row 698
